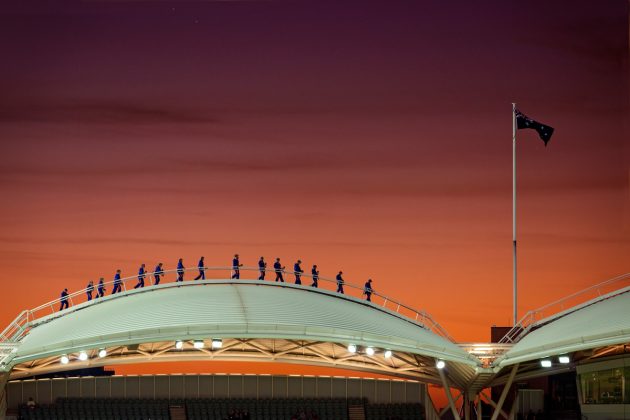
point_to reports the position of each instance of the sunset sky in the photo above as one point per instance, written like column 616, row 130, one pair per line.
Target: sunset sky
column 369, row 137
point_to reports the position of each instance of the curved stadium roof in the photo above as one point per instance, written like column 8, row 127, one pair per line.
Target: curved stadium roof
column 601, row 322
column 245, row 309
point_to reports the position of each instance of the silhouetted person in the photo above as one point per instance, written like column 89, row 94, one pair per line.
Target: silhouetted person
column 117, row 283
column 297, row 270
column 278, row 267
column 180, row 270
column 339, row 282
column 31, row 403
column 100, row 290
column 315, row 274
column 236, row 264
column 89, row 289
column 158, row 272
column 141, row 275
column 64, row 300
column 367, row 290
column 202, row 270
column 262, row 265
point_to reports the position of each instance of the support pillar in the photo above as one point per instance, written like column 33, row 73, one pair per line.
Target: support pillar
column 494, row 405
column 506, row 388
column 467, row 407
column 447, row 389
column 448, row 407
column 479, row 416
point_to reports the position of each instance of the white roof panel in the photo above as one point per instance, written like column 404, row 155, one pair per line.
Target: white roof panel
column 248, row 309
column 602, row 323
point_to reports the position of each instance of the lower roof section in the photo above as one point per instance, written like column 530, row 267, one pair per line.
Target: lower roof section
column 602, row 322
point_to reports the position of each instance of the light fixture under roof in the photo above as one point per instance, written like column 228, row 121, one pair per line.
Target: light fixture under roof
column 179, row 344
column 64, row 360
column 546, row 363
column 440, row 364
column 387, row 354
column 369, row 351
column 217, row 343
column 198, row 344
column 102, row 353
column 564, row 359
column 83, row 356
column 352, row 348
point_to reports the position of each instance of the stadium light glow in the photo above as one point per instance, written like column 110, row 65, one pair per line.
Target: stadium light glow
column 369, row 351
column 440, row 364
column 564, row 359
column 102, row 353
column 198, row 344
column 179, row 344
column 352, row 348
column 388, row 354
column 83, row 356
column 217, row 343
column 546, row 363
column 64, row 360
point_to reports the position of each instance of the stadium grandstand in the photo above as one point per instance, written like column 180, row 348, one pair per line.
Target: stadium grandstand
column 568, row 359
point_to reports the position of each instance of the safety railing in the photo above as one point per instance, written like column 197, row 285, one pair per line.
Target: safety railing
column 19, row 327
column 565, row 305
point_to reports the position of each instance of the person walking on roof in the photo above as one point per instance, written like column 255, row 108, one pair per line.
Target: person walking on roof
column 100, row 290
column 158, row 272
column 202, row 270
column 340, row 282
column 297, row 270
column 64, row 300
column 236, row 265
column 367, row 290
column 315, row 275
column 89, row 289
column 262, row 266
column 141, row 275
column 180, row 270
column 278, row 267
column 117, row 283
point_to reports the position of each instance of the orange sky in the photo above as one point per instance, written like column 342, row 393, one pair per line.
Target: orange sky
column 379, row 144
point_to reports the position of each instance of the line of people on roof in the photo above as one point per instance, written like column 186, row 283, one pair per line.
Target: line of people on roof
column 158, row 274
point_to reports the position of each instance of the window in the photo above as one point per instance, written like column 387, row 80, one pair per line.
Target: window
column 604, row 386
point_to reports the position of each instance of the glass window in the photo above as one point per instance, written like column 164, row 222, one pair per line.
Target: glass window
column 604, row 386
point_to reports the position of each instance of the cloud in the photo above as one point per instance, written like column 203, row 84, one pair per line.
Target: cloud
column 100, row 112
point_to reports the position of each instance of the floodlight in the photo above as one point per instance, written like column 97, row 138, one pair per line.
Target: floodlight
column 388, row 354
column 64, row 360
column 352, row 348
column 102, row 353
column 217, row 343
column 440, row 364
column 83, row 356
column 564, row 359
column 179, row 344
column 545, row 363
column 198, row 344
column 369, row 351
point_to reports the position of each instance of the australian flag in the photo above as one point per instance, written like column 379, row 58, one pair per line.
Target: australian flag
column 544, row 131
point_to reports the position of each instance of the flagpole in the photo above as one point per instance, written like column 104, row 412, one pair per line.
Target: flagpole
column 514, row 284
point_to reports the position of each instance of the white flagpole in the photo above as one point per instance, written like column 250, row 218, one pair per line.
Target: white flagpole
column 514, row 212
